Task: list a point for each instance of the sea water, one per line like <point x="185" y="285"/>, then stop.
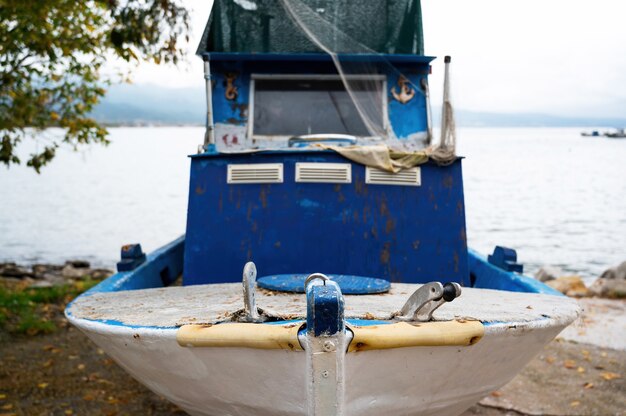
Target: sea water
<point x="556" y="197"/>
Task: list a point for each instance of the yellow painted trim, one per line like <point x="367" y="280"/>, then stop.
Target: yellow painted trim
<point x="260" y="336"/>
<point x="414" y="334"/>
<point x="375" y="337"/>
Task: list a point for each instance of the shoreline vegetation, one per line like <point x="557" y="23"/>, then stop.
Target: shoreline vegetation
<point x="49" y="367"/>
<point x="32" y="299"/>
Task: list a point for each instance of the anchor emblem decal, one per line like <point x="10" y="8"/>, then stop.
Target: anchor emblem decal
<point x="406" y="92"/>
<point x="231" y="91"/>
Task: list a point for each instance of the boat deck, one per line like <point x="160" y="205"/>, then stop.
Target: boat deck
<point x="210" y="304"/>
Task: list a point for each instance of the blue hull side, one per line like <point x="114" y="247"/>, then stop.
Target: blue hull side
<point x="160" y="269"/>
<point x="165" y="264"/>
<point x="487" y="276"/>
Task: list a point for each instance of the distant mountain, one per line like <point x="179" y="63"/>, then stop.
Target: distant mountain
<point x="131" y="104"/>
<point x="140" y="104"/>
<point x="466" y="118"/>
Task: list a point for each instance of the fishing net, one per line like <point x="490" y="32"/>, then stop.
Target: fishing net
<point x="264" y="26"/>
<point x="357" y="73"/>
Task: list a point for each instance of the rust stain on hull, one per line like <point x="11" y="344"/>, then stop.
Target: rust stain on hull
<point x="383" y="208"/>
<point x="390" y="225"/>
<point x="385" y="255"/>
<point x="366" y="212"/>
<point x="263" y="197"/>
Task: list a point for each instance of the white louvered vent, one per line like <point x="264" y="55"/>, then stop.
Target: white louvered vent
<point x="406" y="177"/>
<point x="324" y="172"/>
<point x="256" y="173"/>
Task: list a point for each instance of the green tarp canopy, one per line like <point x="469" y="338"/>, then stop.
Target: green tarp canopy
<point x="264" y="26"/>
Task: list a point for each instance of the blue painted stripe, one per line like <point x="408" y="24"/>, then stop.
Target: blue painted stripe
<point x="495" y="323"/>
<point x="368" y="322"/>
<point x="351" y="322"/>
<point x="119" y="324"/>
<point x="288" y="322"/>
<point x="318" y="57"/>
<point x="292" y="150"/>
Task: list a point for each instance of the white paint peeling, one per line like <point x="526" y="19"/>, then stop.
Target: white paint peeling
<point x="231" y="138"/>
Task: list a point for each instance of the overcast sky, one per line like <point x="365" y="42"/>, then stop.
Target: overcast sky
<point x="561" y="57"/>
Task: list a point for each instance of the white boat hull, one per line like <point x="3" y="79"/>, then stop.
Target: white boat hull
<point x="441" y="380"/>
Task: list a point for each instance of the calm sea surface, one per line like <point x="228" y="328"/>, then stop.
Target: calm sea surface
<point x="557" y="197"/>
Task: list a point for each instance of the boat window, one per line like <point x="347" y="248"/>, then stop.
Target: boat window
<point x="298" y="106"/>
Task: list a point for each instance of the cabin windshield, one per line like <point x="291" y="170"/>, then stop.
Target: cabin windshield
<point x="289" y="106"/>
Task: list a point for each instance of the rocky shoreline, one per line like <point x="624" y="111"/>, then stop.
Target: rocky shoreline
<point x="48" y="275"/>
<point x="611" y="284"/>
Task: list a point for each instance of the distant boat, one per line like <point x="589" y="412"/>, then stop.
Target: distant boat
<point x="296" y="176"/>
<point x="618" y="134"/>
<point x="593" y="133"/>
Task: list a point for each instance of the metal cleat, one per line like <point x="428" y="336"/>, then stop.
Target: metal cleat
<point x="425" y="300"/>
<point x="506" y="259"/>
<point x="131" y="257"/>
<point x="251" y="313"/>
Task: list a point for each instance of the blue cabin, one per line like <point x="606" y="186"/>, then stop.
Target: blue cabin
<point x="275" y="182"/>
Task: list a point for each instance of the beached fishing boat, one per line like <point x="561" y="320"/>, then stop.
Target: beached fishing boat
<point x="320" y="174"/>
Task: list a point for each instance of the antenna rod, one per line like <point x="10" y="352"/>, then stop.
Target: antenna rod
<point x="209" y="136"/>
<point x="446" y="100"/>
<point x="429" y="117"/>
